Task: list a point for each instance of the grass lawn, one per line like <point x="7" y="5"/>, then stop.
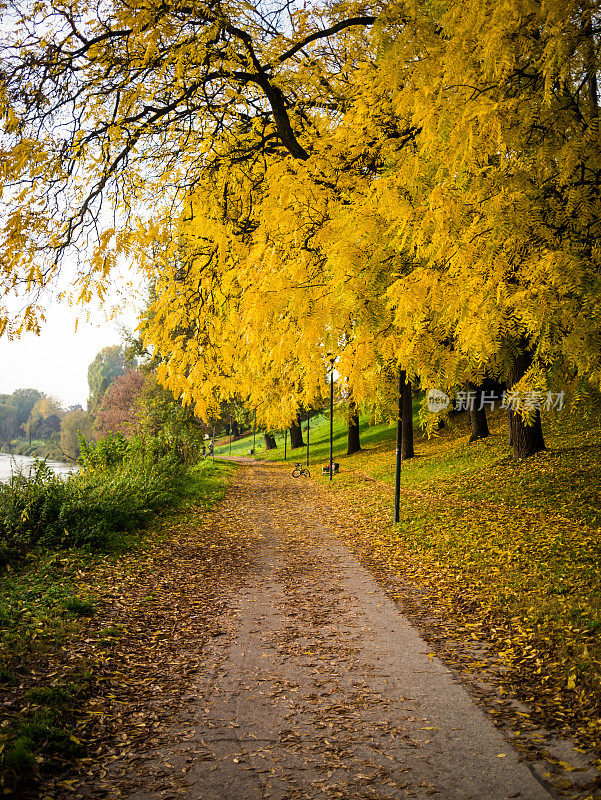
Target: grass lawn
<point x="319" y="441"/>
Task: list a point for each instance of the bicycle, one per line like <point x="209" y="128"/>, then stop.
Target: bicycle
<point x="300" y="472"/>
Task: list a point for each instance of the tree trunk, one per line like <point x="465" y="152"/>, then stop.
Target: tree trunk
<point x="296" y="434"/>
<point x="353" y="441"/>
<point x="269" y="441"/>
<point x="407" y="450"/>
<point x="525" y="439"/>
<point x="477" y="415"/>
<point x="235" y="428"/>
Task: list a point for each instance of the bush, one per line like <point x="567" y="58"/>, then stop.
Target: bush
<point x="115" y="493"/>
<point x="109" y="451"/>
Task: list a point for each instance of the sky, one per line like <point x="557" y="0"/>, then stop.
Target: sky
<point x="56" y="362"/>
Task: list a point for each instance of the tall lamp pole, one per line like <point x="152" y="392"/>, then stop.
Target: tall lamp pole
<point x="332" y="360"/>
<point x="213" y="448"/>
<point x="230" y="435"/>
<point x="285" y="442"/>
<point x="254" y="431"/>
<point x="308" y="424"/>
<point x="399" y="446"/>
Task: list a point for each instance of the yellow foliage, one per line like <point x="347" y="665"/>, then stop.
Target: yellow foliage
<point x="422" y="192"/>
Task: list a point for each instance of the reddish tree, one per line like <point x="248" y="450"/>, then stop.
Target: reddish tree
<point x="117" y="413"/>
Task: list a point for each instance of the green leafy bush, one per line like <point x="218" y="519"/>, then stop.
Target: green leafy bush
<point x="107" y="452"/>
<point x="115" y="493"/>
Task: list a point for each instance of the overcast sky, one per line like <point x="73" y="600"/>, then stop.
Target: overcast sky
<point x="56" y="362"/>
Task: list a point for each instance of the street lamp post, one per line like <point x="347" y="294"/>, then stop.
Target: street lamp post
<point x="399" y="447"/>
<point x="213" y="448"/>
<point x="254" y="431"/>
<point x="308" y="425"/>
<point x="332" y="360"/>
<point x="230" y="435"/>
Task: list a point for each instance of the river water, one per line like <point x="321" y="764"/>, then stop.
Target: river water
<point x="10" y="463"/>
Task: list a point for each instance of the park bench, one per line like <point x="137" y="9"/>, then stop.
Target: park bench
<point x="325" y="470"/>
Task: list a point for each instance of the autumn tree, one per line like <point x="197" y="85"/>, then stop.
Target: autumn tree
<point x="173" y="426"/>
<point x="261" y="83"/>
<point x="15" y="410"/>
<point x="74" y="424"/>
<point x="141" y="92"/>
<point x="269" y="438"/>
<point x="296" y="433"/>
<point x="477" y="414"/>
<point x="507" y="151"/>
<point x="8" y="420"/>
<point x="118" y="408"/>
<point x="44" y="419"/>
<point x="425" y="193"/>
<point x="353" y="436"/>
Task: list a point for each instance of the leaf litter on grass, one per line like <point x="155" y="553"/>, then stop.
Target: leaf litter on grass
<point x="510" y="600"/>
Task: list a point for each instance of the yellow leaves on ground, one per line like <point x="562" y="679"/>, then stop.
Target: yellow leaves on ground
<point x="494" y="553"/>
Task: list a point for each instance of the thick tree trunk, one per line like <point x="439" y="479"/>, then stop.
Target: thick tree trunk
<point x="477" y="415"/>
<point x="296" y="434"/>
<point x="526" y="440"/>
<point x="235" y="428"/>
<point x="269" y="441"/>
<point x="407" y="450"/>
<point x="353" y="441"/>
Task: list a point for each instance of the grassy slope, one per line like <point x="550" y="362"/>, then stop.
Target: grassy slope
<point x="35" y="596"/>
<point x="319" y="450"/>
<point x="509" y="551"/>
<point x="44" y="604"/>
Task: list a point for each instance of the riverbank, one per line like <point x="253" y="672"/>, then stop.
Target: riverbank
<point x="38" y="448"/>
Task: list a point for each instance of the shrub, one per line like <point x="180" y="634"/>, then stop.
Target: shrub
<point x="107" y="452"/>
<point x="115" y="493"/>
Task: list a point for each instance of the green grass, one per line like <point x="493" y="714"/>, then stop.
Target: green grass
<point x="207" y="483"/>
<point x="82" y="608"/>
<point x="51" y="696"/>
<point x="319" y="441"/>
<point x="240" y="447"/>
<point x="565" y="479"/>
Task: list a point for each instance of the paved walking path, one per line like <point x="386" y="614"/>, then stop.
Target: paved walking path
<point x="317" y="687"/>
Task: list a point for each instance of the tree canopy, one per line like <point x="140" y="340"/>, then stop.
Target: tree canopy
<point x="404" y="183"/>
<point x="127" y="104"/>
<point x="107" y="365"/>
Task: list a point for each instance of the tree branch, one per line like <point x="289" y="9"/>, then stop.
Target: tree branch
<point x="340" y="26"/>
